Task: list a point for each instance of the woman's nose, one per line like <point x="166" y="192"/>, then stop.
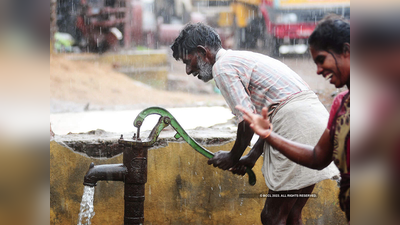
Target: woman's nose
<point x="319" y="70"/>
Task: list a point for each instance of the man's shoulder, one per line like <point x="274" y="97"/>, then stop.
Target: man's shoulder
<point x="238" y="56"/>
<point x="240" y="53"/>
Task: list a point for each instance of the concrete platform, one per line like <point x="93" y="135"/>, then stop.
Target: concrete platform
<point x="122" y="121"/>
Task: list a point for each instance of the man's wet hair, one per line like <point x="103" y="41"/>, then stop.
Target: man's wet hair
<point x="193" y="35"/>
<point x="331" y="33"/>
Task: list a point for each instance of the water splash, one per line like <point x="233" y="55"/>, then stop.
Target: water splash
<point x="86" y="212"/>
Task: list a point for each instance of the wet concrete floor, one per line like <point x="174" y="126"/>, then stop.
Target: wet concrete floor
<point x="122" y="121"/>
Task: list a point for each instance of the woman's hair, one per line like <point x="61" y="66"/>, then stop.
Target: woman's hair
<point x="331" y="33"/>
<point x="193" y="35"/>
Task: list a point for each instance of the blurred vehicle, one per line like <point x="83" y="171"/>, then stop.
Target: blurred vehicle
<point x="289" y="23"/>
<point x="239" y="20"/>
<point x="219" y="15"/>
<point x="282" y="26"/>
<point x="64" y="42"/>
<point x="101" y="25"/>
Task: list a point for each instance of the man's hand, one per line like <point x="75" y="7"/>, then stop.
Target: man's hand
<point x="223" y="160"/>
<point x="250" y="159"/>
<point x="244" y="162"/>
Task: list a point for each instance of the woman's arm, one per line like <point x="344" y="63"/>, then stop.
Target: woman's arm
<point x="317" y="157"/>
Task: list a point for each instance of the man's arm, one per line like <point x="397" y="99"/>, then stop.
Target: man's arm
<point x="243" y="138"/>
<point x="249" y="160"/>
<point x="232" y="88"/>
<point x="224" y="159"/>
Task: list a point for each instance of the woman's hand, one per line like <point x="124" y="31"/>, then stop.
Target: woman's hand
<point x="259" y="123"/>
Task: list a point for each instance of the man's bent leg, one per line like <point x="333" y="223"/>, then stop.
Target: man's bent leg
<point x="277" y="207"/>
<point x="294" y="217"/>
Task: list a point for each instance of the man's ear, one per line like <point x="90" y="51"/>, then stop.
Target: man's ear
<point x="201" y="49"/>
<point x="206" y="53"/>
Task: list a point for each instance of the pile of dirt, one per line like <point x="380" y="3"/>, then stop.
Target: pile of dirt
<point x="95" y="84"/>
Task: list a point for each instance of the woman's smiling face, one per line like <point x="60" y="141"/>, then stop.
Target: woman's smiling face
<point x="332" y="66"/>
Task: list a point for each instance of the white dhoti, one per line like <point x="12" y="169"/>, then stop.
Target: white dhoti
<point x="302" y="118"/>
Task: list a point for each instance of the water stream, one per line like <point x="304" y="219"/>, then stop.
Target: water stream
<point x="86" y="212"/>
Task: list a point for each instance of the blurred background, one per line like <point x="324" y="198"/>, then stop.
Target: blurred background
<point x="98" y="50"/>
<point x="113" y="55"/>
<point x="96" y="45"/>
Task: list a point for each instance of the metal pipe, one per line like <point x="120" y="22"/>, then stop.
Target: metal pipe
<point x="133" y="172"/>
<point x="135" y="160"/>
<point x="111" y="172"/>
